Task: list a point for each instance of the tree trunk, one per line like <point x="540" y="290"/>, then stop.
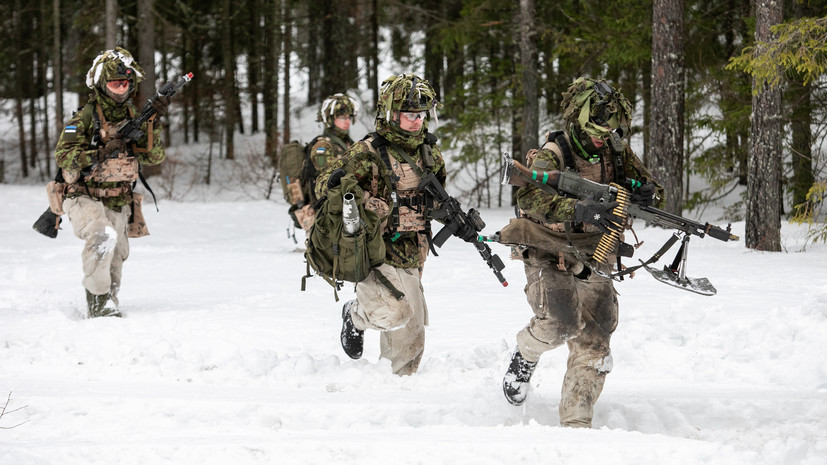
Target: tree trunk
<point x="666" y="125"/>
<point x="528" y="61"/>
<point x="373" y="83"/>
<point x="228" y="84"/>
<point x="271" y="64"/>
<point x="146" y="58"/>
<point x="288" y="50"/>
<point x="254" y="62"/>
<point x="800" y="99"/>
<point x="57" y="65"/>
<point x="763" y="225"/>
<point x="109" y="24"/>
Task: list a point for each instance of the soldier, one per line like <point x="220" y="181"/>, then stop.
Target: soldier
<point x="388" y="165"/>
<point x="99" y="170"/>
<point x="572" y="304"/>
<point x="337" y="112"/>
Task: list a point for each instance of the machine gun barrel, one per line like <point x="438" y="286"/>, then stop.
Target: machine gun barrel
<point x="568" y="182"/>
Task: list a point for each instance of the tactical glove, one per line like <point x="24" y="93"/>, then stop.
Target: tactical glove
<point x="644" y="195"/>
<point x="113" y="147"/>
<point x="599" y="214"/>
<point x="161" y="105"/>
<point x="335" y="178"/>
<point x="467" y="233"/>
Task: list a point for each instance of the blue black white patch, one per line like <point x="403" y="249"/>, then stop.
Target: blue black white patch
<point x="70" y="129"/>
<point x="320" y="150"/>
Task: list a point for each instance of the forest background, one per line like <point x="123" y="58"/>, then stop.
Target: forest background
<point x="731" y="92"/>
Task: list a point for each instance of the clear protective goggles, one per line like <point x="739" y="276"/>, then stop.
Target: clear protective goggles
<point x="414" y="115"/>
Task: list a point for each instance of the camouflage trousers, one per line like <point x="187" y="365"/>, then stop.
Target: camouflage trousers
<point x="581" y="313"/>
<point x="106" y="243"/>
<point x="401" y="322"/>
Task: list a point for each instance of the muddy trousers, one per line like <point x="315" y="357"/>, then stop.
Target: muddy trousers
<point x="401" y="322"/>
<point x="106" y="243"/>
<point x="581" y="313"/>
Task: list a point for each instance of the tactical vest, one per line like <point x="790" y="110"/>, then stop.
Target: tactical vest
<point x="122" y="168"/>
<point x="605" y="171"/>
<point x="410" y="205"/>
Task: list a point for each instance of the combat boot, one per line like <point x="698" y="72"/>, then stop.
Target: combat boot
<point x="515" y="381"/>
<point x="97" y="306"/>
<point x="352" y="339"/>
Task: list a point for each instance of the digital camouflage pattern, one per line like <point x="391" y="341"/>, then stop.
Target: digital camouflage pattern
<point x="360" y="160"/>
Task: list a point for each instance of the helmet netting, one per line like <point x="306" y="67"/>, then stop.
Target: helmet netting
<point x="337" y="105"/>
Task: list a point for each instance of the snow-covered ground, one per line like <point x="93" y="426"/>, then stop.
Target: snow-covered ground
<point x="221" y="359"/>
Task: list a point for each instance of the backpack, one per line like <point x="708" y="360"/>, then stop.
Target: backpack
<point x="335" y="255"/>
<point x="291" y="165"/>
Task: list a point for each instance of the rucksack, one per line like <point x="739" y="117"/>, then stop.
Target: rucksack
<point x="334" y="255"/>
<point x="291" y="164"/>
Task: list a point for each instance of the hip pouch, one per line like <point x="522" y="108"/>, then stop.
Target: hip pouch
<point x="137" y="224"/>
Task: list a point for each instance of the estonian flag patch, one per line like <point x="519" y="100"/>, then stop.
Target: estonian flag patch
<point x="71" y="129"/>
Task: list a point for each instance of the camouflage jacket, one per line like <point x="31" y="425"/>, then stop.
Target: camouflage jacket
<point x="74" y="152"/>
<point x="548" y="208"/>
<point x="325" y="149"/>
<point x="402" y="251"/>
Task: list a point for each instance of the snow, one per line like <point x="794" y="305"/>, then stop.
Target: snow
<point x="222" y="359"/>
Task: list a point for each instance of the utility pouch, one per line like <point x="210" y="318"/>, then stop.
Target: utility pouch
<point x="56" y="192"/>
<point x="137" y="224"/>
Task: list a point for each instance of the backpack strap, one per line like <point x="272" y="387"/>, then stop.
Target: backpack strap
<point x="558" y="138"/>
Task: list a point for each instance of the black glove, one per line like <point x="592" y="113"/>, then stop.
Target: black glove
<point x="644" y="195"/>
<point x="599" y="214"/>
<point x="113" y="147"/>
<point x="335" y="178"/>
<point x="467" y="233"/>
<point x="161" y="105"/>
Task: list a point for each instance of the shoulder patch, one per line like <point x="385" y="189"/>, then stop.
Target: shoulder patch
<point x="542" y="164"/>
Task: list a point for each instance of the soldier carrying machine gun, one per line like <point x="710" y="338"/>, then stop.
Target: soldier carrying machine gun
<point x="569" y="183"/>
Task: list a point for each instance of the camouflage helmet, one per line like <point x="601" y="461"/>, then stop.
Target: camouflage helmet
<point x="337" y="105"/>
<point x="113" y="65"/>
<point x="593" y="105"/>
<point x="406" y="92"/>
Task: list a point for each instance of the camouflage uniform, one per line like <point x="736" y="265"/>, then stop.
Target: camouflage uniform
<point x="403" y="322"/>
<point x="325" y="149"/>
<point x="99" y="209"/>
<point x="570" y="304"/>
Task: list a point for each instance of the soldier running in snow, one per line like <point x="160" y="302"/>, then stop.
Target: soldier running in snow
<point x="572" y="304"/>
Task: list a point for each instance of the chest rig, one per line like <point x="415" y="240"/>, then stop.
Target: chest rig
<point x="124" y="166"/>
<point x="410" y="212"/>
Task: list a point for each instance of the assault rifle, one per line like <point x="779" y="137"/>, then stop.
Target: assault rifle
<point x="454" y="218"/>
<point x="130" y="129"/>
<point x="571" y="184"/>
<point x="48" y="223"/>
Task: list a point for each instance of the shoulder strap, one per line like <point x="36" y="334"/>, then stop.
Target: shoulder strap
<point x="558" y="138"/>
